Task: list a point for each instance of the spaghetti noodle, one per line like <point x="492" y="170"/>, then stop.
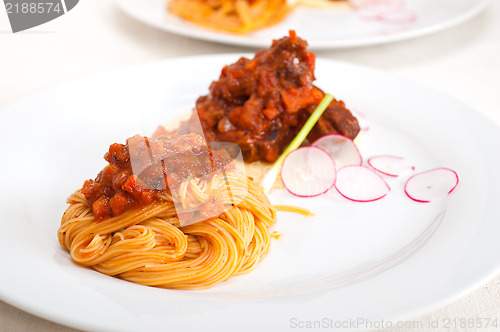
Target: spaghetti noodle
<point x="146" y="243"/>
<point x="237" y="16"/>
<point x="242" y="16"/>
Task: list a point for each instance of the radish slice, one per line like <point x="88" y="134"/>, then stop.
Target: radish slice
<point x="375" y="12"/>
<point x="390" y="165"/>
<point x="398" y="16"/>
<point x="360" y="184"/>
<point x="342" y="149"/>
<point x="363" y="124"/>
<point x="430" y="185"/>
<point x="308" y="172"/>
<point x="366" y="3"/>
<point x="390" y="11"/>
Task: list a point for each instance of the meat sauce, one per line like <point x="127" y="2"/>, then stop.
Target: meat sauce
<point x="262" y="103"/>
<point x="143" y="167"/>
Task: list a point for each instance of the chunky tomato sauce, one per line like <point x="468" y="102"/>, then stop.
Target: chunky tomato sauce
<point x="143" y="167"/>
<point x="262" y="103"/>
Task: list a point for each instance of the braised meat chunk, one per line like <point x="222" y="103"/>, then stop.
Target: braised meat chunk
<point x="262" y="103"/>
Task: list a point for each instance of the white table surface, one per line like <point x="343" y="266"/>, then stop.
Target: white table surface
<point x="463" y="62"/>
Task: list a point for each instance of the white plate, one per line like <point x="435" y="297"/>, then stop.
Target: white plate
<point x="391" y="259"/>
<point x="325" y="28"/>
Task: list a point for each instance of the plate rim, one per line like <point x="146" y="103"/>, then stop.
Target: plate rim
<point x="43" y="313"/>
<point x="210" y="35"/>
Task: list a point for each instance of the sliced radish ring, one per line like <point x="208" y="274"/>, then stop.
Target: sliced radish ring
<point x="360" y="184"/>
<point x="363" y="124"/>
<point x="366" y="3"/>
<point x="390" y="165"/>
<point x="375" y="12"/>
<point x="308" y="172"/>
<point x="430" y="185"/>
<point x="342" y="149"/>
<point x="398" y="16"/>
<point x="390" y="11"/>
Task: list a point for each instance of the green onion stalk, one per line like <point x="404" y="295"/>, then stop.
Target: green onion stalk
<point x="270" y="176"/>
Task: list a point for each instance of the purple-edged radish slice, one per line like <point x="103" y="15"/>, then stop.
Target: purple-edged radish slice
<point x="360" y="184"/>
<point x="375" y="12"/>
<point x="342" y="149"/>
<point x="369" y="3"/>
<point x="430" y="185"/>
<point x="398" y="16"/>
<point x="390" y="165"/>
<point x="308" y="172"/>
<point x="363" y="124"/>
